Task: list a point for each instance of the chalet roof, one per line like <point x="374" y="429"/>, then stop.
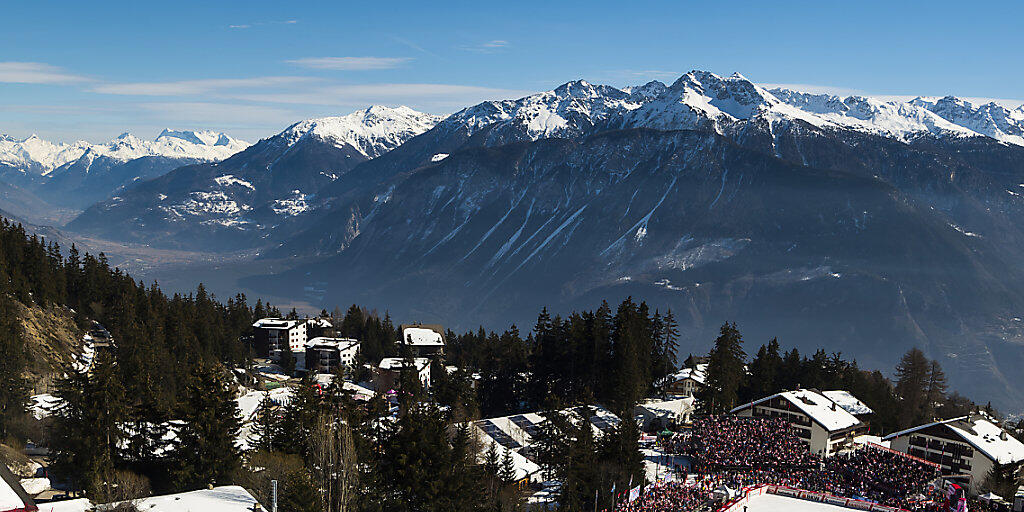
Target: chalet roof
<point x="819" y="408"/>
<point x="847" y="401"/>
<point x="274" y="323"/>
<point x="421" y="337"/>
<point x="985" y="436"/>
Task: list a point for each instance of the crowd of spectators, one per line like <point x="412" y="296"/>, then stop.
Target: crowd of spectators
<point x="736" y="452"/>
<point x="731" y="442"/>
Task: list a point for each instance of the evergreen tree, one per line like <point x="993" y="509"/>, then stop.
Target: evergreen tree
<point x="88" y="427"/>
<point x="725" y="372"/>
<point x="912" y="379"/>
<point x="13" y="358"/>
<point x="206" y="452"/>
<point x="266" y="425"/>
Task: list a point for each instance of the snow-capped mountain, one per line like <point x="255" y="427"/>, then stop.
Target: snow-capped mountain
<point x="373" y="131"/>
<point x="885" y="224"/>
<point x="271" y="185"/>
<point x="34" y="153"/>
<point x="76" y="175"/>
<point x="990" y="119"/>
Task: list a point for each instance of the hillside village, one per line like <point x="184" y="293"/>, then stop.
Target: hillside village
<point x="297" y="360"/>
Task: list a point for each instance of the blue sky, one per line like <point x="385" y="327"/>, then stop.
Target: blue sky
<point x="78" y="70"/>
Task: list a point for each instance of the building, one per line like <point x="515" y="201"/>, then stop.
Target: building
<point x="968" y="446"/>
<point x="1018" y="500"/>
<point x="390" y="369"/>
<point x="324" y="355"/>
<point x="13" y="497"/>
<point x="686" y="382"/>
<point x="519" y="433"/>
<point x="425" y="340"/>
<point x="272" y="335"/>
<point x="824" y="426"/>
<point x="657" y="415"/>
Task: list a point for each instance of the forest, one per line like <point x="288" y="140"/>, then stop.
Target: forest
<point x="157" y="414"/>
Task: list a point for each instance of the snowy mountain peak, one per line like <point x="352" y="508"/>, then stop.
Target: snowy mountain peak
<point x="372" y="131"/>
<point x="990" y="119"/>
<point x="201" y="137"/>
<point x="41" y="156"/>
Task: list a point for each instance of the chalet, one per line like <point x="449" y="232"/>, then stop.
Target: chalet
<point x="968" y="446"/>
<point x="424" y="340"/>
<point x="686" y="382"/>
<point x="824" y="426"/>
<point x="13" y="497"/>
<point x="324" y="355"/>
<point x="273" y="335"/>
<point x="390" y="370"/>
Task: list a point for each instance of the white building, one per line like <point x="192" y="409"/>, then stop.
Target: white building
<point x="272" y="335"/>
<point x="822" y="424"/>
<point x="326" y="354"/>
<point x="968" y="446"/>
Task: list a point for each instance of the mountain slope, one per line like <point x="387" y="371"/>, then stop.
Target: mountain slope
<point x="687" y="220"/>
<point x="271" y="185"/>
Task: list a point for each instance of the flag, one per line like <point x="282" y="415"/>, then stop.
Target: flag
<point x="634" y="493"/>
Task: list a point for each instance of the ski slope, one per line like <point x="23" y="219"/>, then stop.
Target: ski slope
<point x="776" y="503"/>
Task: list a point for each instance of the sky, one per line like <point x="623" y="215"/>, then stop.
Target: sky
<point x="93" y="70"/>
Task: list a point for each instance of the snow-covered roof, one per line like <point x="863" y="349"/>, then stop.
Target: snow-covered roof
<point x="12" y="495"/>
<point x="338" y="343"/>
<point x="75" y="505"/>
<point x="320" y="322"/>
<point x="422" y="337"/>
<point x="694" y="374"/>
<point x="819" y="408"/>
<point x="397" y="363"/>
<point x="228" y="498"/>
<point x="847" y="401"/>
<point x="668" y="407"/>
<point x="274" y="323"/>
<point x="982" y="434"/>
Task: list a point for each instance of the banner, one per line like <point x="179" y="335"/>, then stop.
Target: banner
<point x="634" y="493"/>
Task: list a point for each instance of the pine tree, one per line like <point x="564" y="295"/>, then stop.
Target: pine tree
<point x="13" y="387"/>
<point x="88" y="426"/>
<point x="206" y="452"/>
<point x="912" y="378"/>
<point x="935" y="393"/>
<point x="725" y="372"/>
<point x="266" y="425"/>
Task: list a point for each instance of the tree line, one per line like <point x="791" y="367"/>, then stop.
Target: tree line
<point x="918" y="395"/>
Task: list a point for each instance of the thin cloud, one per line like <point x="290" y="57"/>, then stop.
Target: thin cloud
<point x="816" y="89"/>
<point x="350" y="63"/>
<point x="192" y="113"/>
<point x="194" y="87"/>
<point x="386" y="93"/>
<point x="413" y="46"/>
<point x="243" y="26"/>
<point x="491" y="46"/>
<point x="36" y="73"/>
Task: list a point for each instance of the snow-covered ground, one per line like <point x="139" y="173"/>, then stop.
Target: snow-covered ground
<point x="776" y="503"/>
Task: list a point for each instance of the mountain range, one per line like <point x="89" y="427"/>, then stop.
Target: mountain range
<point x="847" y="223"/>
<point x="76" y="175"/>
